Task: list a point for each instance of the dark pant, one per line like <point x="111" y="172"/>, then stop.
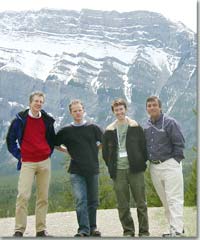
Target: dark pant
<point x="124" y="182"/>
<point x="85" y="191"/>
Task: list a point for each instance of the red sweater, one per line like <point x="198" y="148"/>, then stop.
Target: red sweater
<point x="34" y="147"/>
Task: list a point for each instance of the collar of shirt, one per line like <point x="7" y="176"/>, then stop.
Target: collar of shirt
<point x="78" y="124"/>
<point x="31" y="114"/>
<point x="158" y="121"/>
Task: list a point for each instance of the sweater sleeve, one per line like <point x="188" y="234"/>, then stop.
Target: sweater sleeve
<point x="98" y="134"/>
<point x="59" y="138"/>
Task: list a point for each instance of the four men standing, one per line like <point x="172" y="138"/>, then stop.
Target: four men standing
<point x="31" y="139"/>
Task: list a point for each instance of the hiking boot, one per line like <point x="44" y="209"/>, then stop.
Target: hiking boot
<point x="81" y="235"/>
<point x="144" y="234"/>
<point x="95" y="233"/>
<point x="43" y="234"/>
<point x="129" y="234"/>
<point x="176" y="234"/>
<point x="18" y="234"/>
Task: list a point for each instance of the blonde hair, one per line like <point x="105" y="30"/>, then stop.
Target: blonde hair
<point x="36" y="93"/>
<point x="75" y="101"/>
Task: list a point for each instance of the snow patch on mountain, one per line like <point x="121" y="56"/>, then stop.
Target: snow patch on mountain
<point x="15" y="104"/>
<point x="160" y="59"/>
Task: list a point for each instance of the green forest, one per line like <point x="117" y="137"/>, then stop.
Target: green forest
<point x="61" y="197"/>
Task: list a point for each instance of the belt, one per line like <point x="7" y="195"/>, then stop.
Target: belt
<point x="156" y="161"/>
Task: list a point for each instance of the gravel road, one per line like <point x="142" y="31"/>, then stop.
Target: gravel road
<point x="64" y="224"/>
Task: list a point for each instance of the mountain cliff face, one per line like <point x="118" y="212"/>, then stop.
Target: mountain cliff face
<point x="96" y="56"/>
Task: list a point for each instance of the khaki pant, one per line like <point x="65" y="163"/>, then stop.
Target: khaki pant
<point x="41" y="172"/>
<point x="167" y="178"/>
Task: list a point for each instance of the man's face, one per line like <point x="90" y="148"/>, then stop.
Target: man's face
<point x="36" y="104"/>
<point x="77" y="112"/>
<point x="120" y="112"/>
<point x="153" y="109"/>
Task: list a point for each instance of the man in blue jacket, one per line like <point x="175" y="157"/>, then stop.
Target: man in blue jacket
<point x="30" y="139"/>
<point x="165" y="144"/>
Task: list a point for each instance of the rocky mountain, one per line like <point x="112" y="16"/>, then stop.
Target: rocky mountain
<point x="96" y="56"/>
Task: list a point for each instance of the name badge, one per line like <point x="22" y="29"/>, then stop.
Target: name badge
<point x="123" y="154"/>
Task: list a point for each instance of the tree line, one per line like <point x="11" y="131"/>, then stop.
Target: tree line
<point x="61" y="196"/>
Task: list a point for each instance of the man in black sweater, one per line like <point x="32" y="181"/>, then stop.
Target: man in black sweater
<point x="82" y="140"/>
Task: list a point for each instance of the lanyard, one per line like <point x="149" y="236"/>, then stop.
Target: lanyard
<point x="159" y="129"/>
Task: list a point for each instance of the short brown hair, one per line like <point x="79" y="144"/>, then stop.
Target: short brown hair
<point x="75" y="101"/>
<point x="152" y="99"/>
<point x="36" y="93"/>
<point x="118" y="102"/>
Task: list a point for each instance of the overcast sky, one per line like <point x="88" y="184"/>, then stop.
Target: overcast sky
<point x="176" y="10"/>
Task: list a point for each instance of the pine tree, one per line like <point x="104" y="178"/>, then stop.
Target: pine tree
<point x="191" y="193"/>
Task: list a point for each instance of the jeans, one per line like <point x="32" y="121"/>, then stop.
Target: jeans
<point x="85" y="189"/>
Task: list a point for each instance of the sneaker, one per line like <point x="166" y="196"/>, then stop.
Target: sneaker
<point x="95" y="233"/>
<point x="129" y="234"/>
<point x="43" y="234"/>
<point x="144" y="234"/>
<point x="176" y="234"/>
<point x="18" y="234"/>
<point x="81" y="235"/>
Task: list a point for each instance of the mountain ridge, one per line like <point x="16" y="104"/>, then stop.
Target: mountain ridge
<point x="97" y="56"/>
